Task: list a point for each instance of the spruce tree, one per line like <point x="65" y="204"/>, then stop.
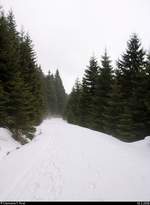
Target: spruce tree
<point x="146" y="92"/>
<point x="84" y="105"/>
<point x="51" y="94"/>
<point x="32" y="77"/>
<point x="60" y="94"/>
<point x="72" y="112"/>
<point x="113" y="108"/>
<point x="21" y="95"/>
<point x="20" y="102"/>
<point x="9" y="58"/>
<point x="132" y="72"/>
<point x="5" y="73"/>
<point x="102" y="93"/>
<point x="88" y="92"/>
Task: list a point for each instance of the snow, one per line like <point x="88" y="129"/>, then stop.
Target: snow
<point x="66" y="162"/>
<point x="147" y="139"/>
<point x="7" y="144"/>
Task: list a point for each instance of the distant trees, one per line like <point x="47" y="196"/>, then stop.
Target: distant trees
<point x="56" y="96"/>
<point x="73" y="111"/>
<point x="26" y="94"/>
<point x="60" y="94"/>
<point x="115" y="101"/>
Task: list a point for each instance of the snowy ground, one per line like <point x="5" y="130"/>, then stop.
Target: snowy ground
<point x="67" y="162"/>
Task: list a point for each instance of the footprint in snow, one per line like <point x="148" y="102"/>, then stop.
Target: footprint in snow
<point x="7" y="153"/>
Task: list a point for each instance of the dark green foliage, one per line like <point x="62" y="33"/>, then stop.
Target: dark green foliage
<point x="72" y="111"/>
<point x="60" y="94"/>
<point x="32" y="76"/>
<point x="3" y="104"/>
<point x="146" y="98"/>
<point x="51" y="94"/>
<point x="131" y="79"/>
<point x="56" y="96"/>
<point x="102" y="94"/>
<point x="22" y="103"/>
<point x="84" y="106"/>
<point x="113" y="108"/>
<point x="88" y="92"/>
<point x="117" y="103"/>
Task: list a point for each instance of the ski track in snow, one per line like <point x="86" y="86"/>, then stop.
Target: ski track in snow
<point x="67" y="162"/>
<point x="48" y="185"/>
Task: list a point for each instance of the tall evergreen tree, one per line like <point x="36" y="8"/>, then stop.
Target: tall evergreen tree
<point x="72" y="112"/>
<point x="88" y="92"/>
<point x="51" y="94"/>
<point x="113" y="108"/>
<point x="9" y="54"/>
<point x="21" y="103"/>
<point x="60" y="94"/>
<point x="102" y="93"/>
<point x="5" y="73"/>
<point x="21" y="93"/>
<point x="146" y="92"/>
<point x="117" y="104"/>
<point x="32" y="76"/>
<point x="132" y="72"/>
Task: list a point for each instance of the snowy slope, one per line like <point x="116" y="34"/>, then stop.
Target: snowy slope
<point x="67" y="162"/>
<point x="7" y="144"/>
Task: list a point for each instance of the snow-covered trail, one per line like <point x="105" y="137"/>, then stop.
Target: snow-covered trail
<point x="67" y="162"/>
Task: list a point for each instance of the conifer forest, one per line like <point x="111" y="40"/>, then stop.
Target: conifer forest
<point x="27" y="95"/>
<point x="111" y="99"/>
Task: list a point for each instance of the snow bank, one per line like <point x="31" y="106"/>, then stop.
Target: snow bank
<point x="7" y="143"/>
<point x="147" y="140"/>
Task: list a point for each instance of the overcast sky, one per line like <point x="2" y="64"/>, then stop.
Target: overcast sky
<point x="66" y="33"/>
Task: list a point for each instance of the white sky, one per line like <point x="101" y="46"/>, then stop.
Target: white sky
<point x="66" y="33"/>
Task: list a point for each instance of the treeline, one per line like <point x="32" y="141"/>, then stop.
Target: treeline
<point x="116" y="100"/>
<point x="27" y="96"/>
<point x="55" y="93"/>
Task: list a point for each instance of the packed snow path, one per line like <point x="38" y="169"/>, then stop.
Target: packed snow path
<point x="67" y="162"/>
